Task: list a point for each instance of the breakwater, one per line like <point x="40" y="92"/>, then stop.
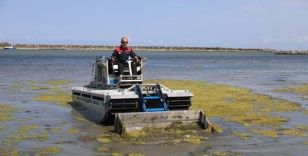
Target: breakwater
<point x="149" y="48"/>
<point x="290" y="52"/>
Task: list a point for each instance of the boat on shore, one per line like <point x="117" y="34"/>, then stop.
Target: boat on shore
<point x="9" y="47"/>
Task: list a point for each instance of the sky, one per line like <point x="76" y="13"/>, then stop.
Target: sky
<point x="277" y="24"/>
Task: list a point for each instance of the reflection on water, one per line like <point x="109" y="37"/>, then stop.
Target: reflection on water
<point x="24" y="75"/>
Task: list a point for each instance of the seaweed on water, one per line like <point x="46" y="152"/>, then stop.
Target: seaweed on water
<point x="305" y="112"/>
<point x="39" y="87"/>
<point x="135" y="154"/>
<point x="102" y="149"/>
<point x="9" y="151"/>
<point x="54" y="95"/>
<point x="266" y="132"/>
<point x="242" y="135"/>
<point x="55" y="130"/>
<point x="103" y="138"/>
<point x="174" y="134"/>
<point x="257" y="112"/>
<point x="299" y="89"/>
<point x="47" y="150"/>
<point x="73" y="131"/>
<point x="49" y="91"/>
<point x="52" y="91"/>
<point x="57" y="82"/>
<point x="117" y="154"/>
<point x="24" y="133"/>
<point x="298" y="131"/>
<point x="222" y="153"/>
<point x="6" y="111"/>
<point x="87" y="138"/>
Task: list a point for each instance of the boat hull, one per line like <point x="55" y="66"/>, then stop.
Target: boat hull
<point x="95" y="112"/>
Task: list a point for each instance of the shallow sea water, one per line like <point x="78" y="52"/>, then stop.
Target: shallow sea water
<point x="65" y="128"/>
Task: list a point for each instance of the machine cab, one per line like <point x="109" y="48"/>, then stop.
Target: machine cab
<point x="106" y="74"/>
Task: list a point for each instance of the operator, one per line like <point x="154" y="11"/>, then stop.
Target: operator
<point x="122" y="53"/>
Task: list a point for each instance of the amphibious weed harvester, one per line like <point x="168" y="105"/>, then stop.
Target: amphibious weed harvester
<point x="134" y="105"/>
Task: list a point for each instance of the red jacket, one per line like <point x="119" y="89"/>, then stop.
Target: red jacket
<point x="122" y="54"/>
<point x="119" y="50"/>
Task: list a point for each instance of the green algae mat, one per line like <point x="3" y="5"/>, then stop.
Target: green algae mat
<point x="259" y="115"/>
<point x="256" y="112"/>
<point x="51" y="91"/>
<point x="6" y="111"/>
<point x="46" y="91"/>
<point x="301" y="90"/>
